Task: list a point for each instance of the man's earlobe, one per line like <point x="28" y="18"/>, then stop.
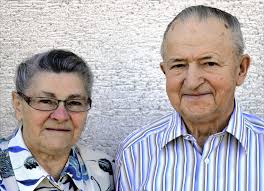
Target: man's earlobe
<point x="17" y="105"/>
<point x="243" y="69"/>
<point x="162" y="67"/>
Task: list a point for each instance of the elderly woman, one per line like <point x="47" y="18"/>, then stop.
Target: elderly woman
<point x="52" y="99"/>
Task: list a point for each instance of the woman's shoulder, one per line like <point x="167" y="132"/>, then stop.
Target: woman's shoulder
<point x="91" y="154"/>
<point x="99" y="166"/>
<point x="5" y="140"/>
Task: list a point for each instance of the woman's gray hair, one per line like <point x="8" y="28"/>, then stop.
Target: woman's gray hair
<point x="57" y="61"/>
<point x="204" y="12"/>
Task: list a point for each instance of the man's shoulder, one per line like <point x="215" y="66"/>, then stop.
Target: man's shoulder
<point x="155" y="128"/>
<point x="254" y="122"/>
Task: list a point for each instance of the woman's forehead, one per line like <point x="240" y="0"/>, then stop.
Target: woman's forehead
<point x="57" y="84"/>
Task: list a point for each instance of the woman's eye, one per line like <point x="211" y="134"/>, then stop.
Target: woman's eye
<point x="74" y="103"/>
<point x="46" y="101"/>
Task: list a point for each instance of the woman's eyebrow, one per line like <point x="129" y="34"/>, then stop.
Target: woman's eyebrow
<point x="48" y="94"/>
<point x="75" y="96"/>
<point x="72" y="96"/>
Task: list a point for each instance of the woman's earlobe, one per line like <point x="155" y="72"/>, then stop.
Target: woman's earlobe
<point x="17" y="105"/>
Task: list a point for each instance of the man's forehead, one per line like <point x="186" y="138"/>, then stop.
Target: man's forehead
<point x="194" y="37"/>
<point x="193" y="23"/>
<point x="197" y="31"/>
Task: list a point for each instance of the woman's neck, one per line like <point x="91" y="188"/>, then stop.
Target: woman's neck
<point x="53" y="164"/>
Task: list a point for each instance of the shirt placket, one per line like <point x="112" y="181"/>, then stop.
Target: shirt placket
<point x="206" y="159"/>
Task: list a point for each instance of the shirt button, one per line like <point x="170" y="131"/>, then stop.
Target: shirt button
<point x="206" y="160"/>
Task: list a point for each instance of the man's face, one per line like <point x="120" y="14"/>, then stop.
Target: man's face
<point x="202" y="69"/>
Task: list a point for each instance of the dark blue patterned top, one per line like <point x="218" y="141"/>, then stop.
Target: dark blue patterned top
<point x="20" y="171"/>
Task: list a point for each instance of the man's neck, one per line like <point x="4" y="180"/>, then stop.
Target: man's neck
<point x="201" y="131"/>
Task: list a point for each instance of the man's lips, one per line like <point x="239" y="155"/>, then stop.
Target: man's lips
<point x="195" y="95"/>
<point x="58" y="129"/>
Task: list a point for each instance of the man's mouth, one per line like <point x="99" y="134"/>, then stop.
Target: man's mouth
<point x="58" y="129"/>
<point x="196" y="95"/>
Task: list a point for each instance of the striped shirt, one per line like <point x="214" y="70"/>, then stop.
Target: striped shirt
<point x="164" y="157"/>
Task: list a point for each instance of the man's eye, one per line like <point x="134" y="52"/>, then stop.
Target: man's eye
<point x="177" y="66"/>
<point x="210" y="63"/>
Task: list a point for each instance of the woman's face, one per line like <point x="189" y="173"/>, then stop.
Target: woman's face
<point x="51" y="132"/>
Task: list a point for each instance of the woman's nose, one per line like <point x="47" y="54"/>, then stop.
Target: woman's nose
<point x="61" y="113"/>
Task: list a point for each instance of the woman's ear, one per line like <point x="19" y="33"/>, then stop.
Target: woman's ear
<point x="17" y="105"/>
<point x="243" y="69"/>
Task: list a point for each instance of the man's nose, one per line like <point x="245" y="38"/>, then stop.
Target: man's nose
<point x="194" y="77"/>
<point x="61" y="113"/>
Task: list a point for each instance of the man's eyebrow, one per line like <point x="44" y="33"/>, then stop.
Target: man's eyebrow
<point x="205" y="58"/>
<point x="177" y="60"/>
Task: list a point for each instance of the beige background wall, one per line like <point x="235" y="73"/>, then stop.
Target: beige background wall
<point x="120" y="40"/>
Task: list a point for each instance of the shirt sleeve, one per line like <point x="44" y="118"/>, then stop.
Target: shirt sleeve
<point x="123" y="172"/>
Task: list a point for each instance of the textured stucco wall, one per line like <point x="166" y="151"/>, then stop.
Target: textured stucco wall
<point x="120" y="40"/>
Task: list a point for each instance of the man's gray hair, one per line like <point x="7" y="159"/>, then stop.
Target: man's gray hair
<point x="203" y="12"/>
<point x="57" y="61"/>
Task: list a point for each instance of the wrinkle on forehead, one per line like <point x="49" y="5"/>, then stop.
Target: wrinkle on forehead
<point x="196" y="32"/>
<point x="198" y="20"/>
<point x="196" y="37"/>
<point x="194" y="25"/>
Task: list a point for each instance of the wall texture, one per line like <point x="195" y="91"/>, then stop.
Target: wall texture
<point x="120" y="40"/>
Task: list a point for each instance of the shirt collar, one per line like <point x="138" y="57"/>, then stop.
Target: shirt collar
<point x="76" y="169"/>
<point x="175" y="129"/>
<point x="235" y="127"/>
<point x="29" y="174"/>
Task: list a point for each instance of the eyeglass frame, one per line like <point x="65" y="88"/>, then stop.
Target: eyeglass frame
<point x="28" y="99"/>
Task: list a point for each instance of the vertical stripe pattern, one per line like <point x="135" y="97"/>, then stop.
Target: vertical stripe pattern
<point x="162" y="156"/>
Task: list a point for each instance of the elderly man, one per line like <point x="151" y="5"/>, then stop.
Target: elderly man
<point x="208" y="143"/>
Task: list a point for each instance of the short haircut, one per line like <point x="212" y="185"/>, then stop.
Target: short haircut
<point x="56" y="61"/>
<point x="204" y="12"/>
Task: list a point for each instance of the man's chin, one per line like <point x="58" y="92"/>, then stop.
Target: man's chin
<point x="197" y="115"/>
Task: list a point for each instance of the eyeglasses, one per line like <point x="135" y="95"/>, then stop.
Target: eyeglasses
<point x="51" y="104"/>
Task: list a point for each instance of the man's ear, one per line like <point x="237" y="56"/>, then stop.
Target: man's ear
<point x="162" y="67"/>
<point x="243" y="69"/>
<point x="17" y="105"/>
